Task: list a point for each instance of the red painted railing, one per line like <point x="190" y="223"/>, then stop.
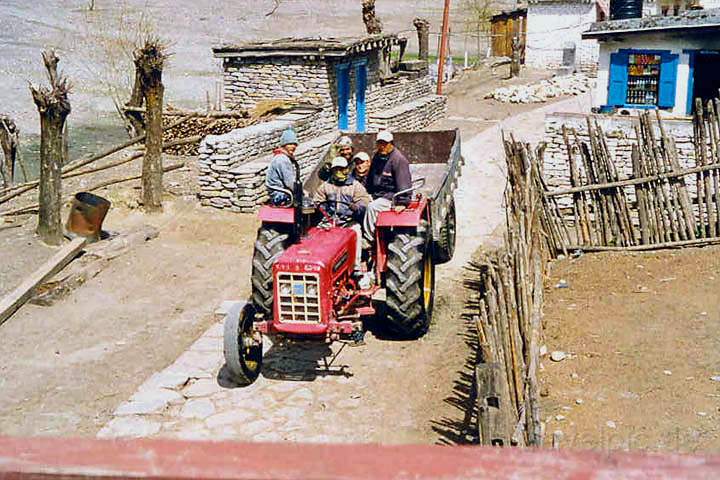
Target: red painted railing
<point x="54" y="458"/>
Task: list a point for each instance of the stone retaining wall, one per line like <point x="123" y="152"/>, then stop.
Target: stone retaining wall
<point x="413" y="115"/>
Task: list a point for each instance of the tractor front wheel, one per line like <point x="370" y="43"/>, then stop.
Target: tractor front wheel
<point x="272" y="240"/>
<point x="242" y="346"/>
<point x="410" y="282"/>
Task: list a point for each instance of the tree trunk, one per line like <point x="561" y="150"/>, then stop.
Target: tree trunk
<point x="373" y="25"/>
<point x="423" y="33"/>
<point x="136" y="122"/>
<point x="149" y="63"/>
<point x="10" y="141"/>
<point x="53" y="107"/>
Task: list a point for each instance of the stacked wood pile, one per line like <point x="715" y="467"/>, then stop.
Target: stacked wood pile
<point x="655" y="208"/>
<point x="199" y="125"/>
<point x="509" y="287"/>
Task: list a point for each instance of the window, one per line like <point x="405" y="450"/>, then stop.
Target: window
<point x="642" y="79"/>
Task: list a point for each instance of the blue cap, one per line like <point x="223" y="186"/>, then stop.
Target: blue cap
<point x="288" y="137"/>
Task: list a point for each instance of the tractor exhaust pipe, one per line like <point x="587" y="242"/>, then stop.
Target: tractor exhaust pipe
<point x="298" y="224"/>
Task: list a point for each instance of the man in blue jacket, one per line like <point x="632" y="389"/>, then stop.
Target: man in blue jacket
<point x="281" y="173"/>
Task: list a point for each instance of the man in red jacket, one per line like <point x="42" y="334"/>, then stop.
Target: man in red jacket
<point x="389" y="174"/>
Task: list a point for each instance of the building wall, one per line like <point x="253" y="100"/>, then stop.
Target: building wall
<point x="552" y="27"/>
<point x="676" y="43"/>
<point x="246" y="81"/>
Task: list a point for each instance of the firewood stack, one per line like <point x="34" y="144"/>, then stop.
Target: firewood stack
<point x="202" y="126"/>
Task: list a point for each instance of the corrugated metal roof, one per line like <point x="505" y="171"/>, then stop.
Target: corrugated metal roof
<point x="687" y="21"/>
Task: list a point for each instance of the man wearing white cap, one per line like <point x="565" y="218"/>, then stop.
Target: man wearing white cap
<point x="389" y="174"/>
<point x="344" y="197"/>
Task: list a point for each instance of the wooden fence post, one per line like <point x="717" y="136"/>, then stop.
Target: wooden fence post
<point x="149" y="62"/>
<point x="494" y="403"/>
<point x="54" y="107"/>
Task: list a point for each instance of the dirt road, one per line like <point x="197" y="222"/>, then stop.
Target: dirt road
<point x="641" y="331"/>
<point x="66" y="368"/>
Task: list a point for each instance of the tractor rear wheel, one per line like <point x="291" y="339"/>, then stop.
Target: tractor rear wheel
<point x="272" y="240"/>
<point x="410" y="282"/>
<point x="445" y="246"/>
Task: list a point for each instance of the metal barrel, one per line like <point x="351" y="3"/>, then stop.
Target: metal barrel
<point x="86" y="215"/>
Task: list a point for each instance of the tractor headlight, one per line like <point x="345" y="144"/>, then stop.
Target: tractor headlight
<point x="285" y="289"/>
<point x="312" y="290"/>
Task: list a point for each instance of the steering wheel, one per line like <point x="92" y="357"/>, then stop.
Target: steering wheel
<point x="332" y="219"/>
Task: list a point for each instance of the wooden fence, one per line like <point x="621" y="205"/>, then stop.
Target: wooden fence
<point x="662" y="205"/>
<point x="508" y="304"/>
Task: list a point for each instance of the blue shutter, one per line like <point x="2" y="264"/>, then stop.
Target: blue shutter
<point x="343" y="95"/>
<point x="617" y="85"/>
<point x="668" y="80"/>
<point x="360" y="86"/>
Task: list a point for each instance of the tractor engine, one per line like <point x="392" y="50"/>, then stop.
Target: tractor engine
<point x="311" y="281"/>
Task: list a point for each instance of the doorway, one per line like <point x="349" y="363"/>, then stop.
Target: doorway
<point x="705" y="76"/>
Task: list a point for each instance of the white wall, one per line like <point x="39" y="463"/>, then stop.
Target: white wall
<point x="551" y="26"/>
<point x="657" y="41"/>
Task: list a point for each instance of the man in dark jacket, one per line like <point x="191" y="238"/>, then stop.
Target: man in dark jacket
<point x="389" y="174"/>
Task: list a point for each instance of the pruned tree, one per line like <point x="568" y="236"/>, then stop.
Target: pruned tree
<point x="149" y="62"/>
<point x="54" y="107"/>
<point x="422" y="26"/>
<point x="10" y="142"/>
<point x="373" y="25"/>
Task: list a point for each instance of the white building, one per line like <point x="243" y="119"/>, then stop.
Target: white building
<point x="658" y="62"/>
<point x="554" y="34"/>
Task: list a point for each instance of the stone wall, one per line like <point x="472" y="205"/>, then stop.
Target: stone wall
<point x="411" y="116"/>
<point x="233" y="166"/>
<point x="247" y="81"/>
<point x="620" y="136"/>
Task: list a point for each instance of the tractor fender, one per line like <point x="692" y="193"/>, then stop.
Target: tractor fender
<point x="410" y="217"/>
<point x="270" y="214"/>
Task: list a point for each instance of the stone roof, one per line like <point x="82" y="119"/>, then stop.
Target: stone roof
<point x="687" y="22"/>
<point x="310" y="46"/>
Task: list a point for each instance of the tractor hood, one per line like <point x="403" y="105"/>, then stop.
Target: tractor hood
<point x="321" y="249"/>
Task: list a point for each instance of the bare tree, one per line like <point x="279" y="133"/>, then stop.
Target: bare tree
<point x="477" y="14"/>
<point x="10" y="142"/>
<point x="109" y="40"/>
<point x="373" y="25"/>
<point x="54" y="107"/>
<point x="149" y="61"/>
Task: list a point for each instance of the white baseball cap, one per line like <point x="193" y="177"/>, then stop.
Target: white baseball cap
<point x="384" y="136"/>
<point x="361" y="156"/>
<point x="339" y="162"/>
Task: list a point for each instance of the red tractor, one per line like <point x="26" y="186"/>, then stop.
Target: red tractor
<point x="302" y="271"/>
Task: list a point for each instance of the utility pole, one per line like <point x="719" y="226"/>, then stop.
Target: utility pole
<point x="443" y="46"/>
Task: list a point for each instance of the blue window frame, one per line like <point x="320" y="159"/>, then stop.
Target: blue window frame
<point x="618" y="79"/>
<point x="343" y="95"/>
<point x="360" y="87"/>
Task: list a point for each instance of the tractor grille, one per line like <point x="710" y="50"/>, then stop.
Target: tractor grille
<point x="299" y="297"/>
